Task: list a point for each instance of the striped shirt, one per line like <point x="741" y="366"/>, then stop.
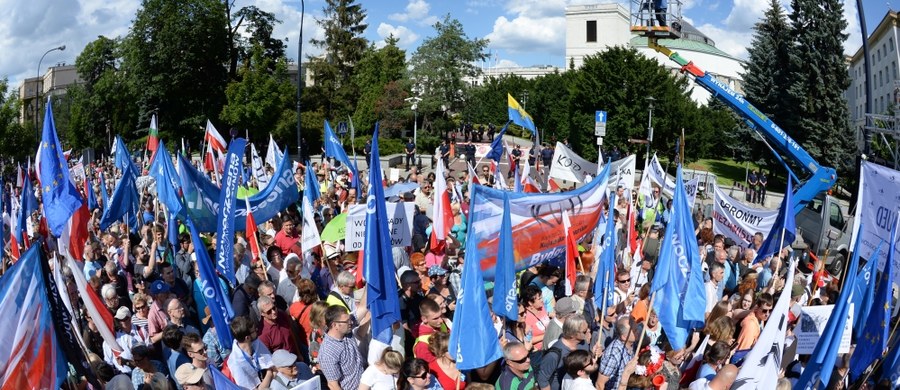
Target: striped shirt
<point x="341" y="361"/>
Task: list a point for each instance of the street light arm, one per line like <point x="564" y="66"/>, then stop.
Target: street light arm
<point x="39" y="85"/>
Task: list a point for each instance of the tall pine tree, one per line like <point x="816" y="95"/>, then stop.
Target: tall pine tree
<point x="343" y="46"/>
<point x="767" y="73"/>
<point x="818" y="77"/>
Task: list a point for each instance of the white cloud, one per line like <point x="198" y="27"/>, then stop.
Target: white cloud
<point x="745" y="14"/>
<point x="537" y="9"/>
<point x="526" y="34"/>
<point x="854" y="37"/>
<point x="505" y="63"/>
<point x="417" y="11"/>
<point x="728" y="40"/>
<point x="288" y="12"/>
<point x="404" y="35"/>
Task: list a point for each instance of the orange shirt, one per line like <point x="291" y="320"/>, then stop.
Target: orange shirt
<point x="749" y="332"/>
<point x="639" y="312"/>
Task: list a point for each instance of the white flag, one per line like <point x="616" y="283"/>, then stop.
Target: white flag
<point x="256" y="165"/>
<point x="274" y="154"/>
<point x="569" y="166"/>
<point x="310" y="235"/>
<point x="764" y="360"/>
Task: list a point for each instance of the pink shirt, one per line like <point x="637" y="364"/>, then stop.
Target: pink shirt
<point x="157" y="319"/>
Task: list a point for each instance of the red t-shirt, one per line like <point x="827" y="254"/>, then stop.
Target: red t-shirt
<point x="286" y="242"/>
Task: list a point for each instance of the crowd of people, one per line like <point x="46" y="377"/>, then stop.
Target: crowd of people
<point x="303" y="315"/>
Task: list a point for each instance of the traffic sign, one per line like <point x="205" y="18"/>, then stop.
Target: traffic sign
<point x="600" y="124"/>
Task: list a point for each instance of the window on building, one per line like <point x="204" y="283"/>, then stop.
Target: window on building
<point x="891" y="43"/>
<point x="592" y="31"/>
<point x="894" y="67"/>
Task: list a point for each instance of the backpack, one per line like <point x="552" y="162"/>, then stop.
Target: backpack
<point x="558" y="373"/>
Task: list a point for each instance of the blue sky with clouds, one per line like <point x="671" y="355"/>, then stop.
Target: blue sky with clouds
<point x="521" y="32"/>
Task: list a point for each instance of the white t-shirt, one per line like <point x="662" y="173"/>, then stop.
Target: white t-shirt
<point x="576" y="384"/>
<point x="699" y="384"/>
<point x="377" y="380"/>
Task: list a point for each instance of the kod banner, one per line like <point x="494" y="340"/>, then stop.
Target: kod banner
<point x="621" y="172"/>
<point x="400" y="223"/>
<point x="879" y="199"/>
<point x="739" y="221"/>
<point x="201" y="196"/>
<point x="536" y="223"/>
<point x="569" y="166"/>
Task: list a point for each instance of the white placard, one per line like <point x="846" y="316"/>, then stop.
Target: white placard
<point x="400" y="221"/>
<point x="811" y="325"/>
<point x="879" y="196"/>
<point x="739" y="221"/>
<point x="395" y="175"/>
<point x="567" y="165"/>
<point x="622" y="172"/>
<point x="311" y="384"/>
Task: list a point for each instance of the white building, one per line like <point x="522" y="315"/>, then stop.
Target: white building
<point x="53" y="83"/>
<point x="884" y="60"/>
<point x="593" y="28"/>
<point x="525" y="72"/>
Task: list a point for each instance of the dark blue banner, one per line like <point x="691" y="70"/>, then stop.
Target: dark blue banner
<point x="228" y="202"/>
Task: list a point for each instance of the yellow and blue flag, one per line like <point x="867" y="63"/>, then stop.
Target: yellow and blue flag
<point x="518" y="115"/>
<point x="60" y="197"/>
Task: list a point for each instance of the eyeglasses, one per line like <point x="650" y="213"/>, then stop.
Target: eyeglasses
<point x="624" y="281"/>
<point x="201" y="350"/>
<point x="765" y="311"/>
<point x="423" y="375"/>
<point x="270" y="311"/>
<point x="142" y="307"/>
<point x="520" y="361"/>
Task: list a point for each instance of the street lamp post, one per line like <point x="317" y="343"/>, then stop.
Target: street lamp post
<point x="649" y="99"/>
<point x="300" y="79"/>
<point x="39" y="86"/>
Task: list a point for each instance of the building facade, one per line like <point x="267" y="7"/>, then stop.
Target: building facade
<point x="34" y="91"/>
<point x="885" y="66"/>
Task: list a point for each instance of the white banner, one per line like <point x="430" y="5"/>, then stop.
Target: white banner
<point x="256" y="166"/>
<point x="77" y="172"/>
<point x="811" y="325"/>
<point x="569" y="166"/>
<point x="879" y="197"/>
<point x="658" y="176"/>
<point x="400" y="220"/>
<point x="622" y="172"/>
<point x="739" y="221"/>
<point x="309" y="239"/>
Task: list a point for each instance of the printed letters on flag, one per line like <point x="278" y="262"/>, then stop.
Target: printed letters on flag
<point x="226" y="215"/>
<point x="379" y="267"/>
<point x="567" y="165"/>
<point x="622" y="173"/>
<point x="738" y="221"/>
<point x="259" y="171"/>
<point x="216" y="299"/>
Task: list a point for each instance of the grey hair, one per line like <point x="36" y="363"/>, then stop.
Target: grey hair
<point x="572" y="326"/>
<point x="508" y="348"/>
<point x="266" y="284"/>
<point x="582" y="283"/>
<point x="345" y="278"/>
<point x="263" y="300"/>
<point x="292" y="261"/>
<point x="108" y="291"/>
<point x="623" y="326"/>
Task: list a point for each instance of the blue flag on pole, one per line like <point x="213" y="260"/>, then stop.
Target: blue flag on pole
<point x="474" y="344"/>
<point x="27" y="206"/>
<point x="379" y="264"/>
<point x="505" y="274"/>
<point x="167" y="181"/>
<point x="312" y="191"/>
<point x="125" y="202"/>
<point x="518" y="115"/>
<point x="103" y="194"/>
<point x="227" y="205"/>
<point x="334" y="149"/>
<point x="604" y="285"/>
<point x="220" y="381"/>
<point x="864" y="293"/>
<point x="216" y="298"/>
<point x="785" y="224"/>
<point x="89" y="194"/>
<point x="123" y="158"/>
<point x="678" y="283"/>
<point x="872" y="341"/>
<point x="818" y="370"/>
<point x="59" y="195"/>
<point x="496" y="151"/>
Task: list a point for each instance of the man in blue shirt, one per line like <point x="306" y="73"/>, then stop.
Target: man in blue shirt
<point x="410" y="153"/>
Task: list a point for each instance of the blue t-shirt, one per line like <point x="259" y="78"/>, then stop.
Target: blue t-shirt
<point x="706" y="372"/>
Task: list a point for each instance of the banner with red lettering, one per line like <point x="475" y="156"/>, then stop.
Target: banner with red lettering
<point x="739" y="221"/>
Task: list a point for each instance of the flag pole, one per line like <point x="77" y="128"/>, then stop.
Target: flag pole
<point x="644" y="322"/>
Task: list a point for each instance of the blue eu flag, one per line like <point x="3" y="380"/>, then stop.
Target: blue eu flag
<point x="60" y="197"/>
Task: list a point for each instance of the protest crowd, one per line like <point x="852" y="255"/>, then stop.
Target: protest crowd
<point x="641" y="292"/>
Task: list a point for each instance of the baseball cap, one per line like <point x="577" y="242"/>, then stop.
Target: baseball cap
<point x="282" y="358"/>
<point x="565" y="306"/>
<point x="159" y="287"/>
<point x="797" y="290"/>
<point x="436" y="270"/>
<point x="123" y="313"/>
<point x="187" y="374"/>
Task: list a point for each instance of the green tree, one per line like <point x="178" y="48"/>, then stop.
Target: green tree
<point x="441" y="62"/>
<point x="18" y="142"/>
<point x="818" y="78"/>
<point x="487" y="103"/>
<point x="259" y="25"/>
<point x="262" y="98"/>
<point x="175" y="57"/>
<point x="343" y="47"/>
<point x="377" y="69"/>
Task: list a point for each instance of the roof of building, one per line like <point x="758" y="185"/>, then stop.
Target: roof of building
<point x="683" y="44"/>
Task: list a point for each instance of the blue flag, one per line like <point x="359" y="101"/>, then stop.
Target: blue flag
<point x="59" y="195"/>
<point x="89" y="194"/>
<point x="168" y="186"/>
<point x="604" y="285"/>
<point x="334" y="149"/>
<point x="678" y="283"/>
<point x="505" y="274"/>
<point x="216" y="298"/>
<point x="518" y="115"/>
<point x="785" y="223"/>
<point x="27" y="206"/>
<point x="123" y="158"/>
<point x="125" y="202"/>
<point x="3" y="209"/>
<point x="220" y="381"/>
<point x="476" y="343"/>
<point x="864" y="293"/>
<point x="379" y="268"/>
<point x="890" y="369"/>
<point x="172" y="230"/>
<point x="818" y="370"/>
<point x="312" y="191"/>
<point x="103" y="194"/>
<point x="496" y="151"/>
<point x="226" y="211"/>
<point x="872" y="341"/>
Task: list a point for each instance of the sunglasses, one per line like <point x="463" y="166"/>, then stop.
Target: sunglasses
<point x="424" y="375"/>
<point x="625" y="281"/>
<point x="520" y="361"/>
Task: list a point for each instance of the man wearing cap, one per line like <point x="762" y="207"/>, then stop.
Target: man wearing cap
<point x="157" y="319"/>
<point x="190" y="377"/>
<point x="565" y="307"/>
<point x="289" y="372"/>
<point x="127" y="336"/>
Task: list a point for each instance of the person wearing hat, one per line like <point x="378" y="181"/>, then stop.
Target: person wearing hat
<point x="289" y="373"/>
<point x="157" y="319"/>
<point x="127" y="336"/>
<point x="190" y="377"/>
<point x="441" y="286"/>
<point x="565" y="308"/>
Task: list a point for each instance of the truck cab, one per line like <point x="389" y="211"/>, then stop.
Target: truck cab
<point x="825" y="224"/>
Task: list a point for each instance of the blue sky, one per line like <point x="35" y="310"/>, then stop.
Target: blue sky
<point x="521" y="32"/>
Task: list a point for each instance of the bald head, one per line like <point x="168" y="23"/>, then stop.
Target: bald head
<point x="724" y="378"/>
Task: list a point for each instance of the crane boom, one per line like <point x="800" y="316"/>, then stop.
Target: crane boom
<point x="819" y="179"/>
